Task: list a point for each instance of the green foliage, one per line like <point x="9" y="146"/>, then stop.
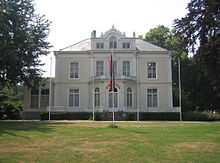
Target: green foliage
<point x="200" y="29"/>
<point x="23" y="36"/>
<point x="10" y="104"/>
<point x="201" y="116"/>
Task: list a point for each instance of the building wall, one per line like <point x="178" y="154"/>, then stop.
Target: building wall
<point x="87" y="65"/>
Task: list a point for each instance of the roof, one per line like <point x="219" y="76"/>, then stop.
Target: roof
<point x="85" y="45"/>
<point x="146" y="46"/>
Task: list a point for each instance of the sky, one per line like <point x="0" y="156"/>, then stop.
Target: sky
<point x="74" y="20"/>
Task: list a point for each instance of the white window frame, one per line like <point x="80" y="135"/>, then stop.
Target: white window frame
<point x="68" y="104"/>
<point x="99" y="45"/>
<point x="158" y="102"/>
<point x="113" y="43"/>
<point x="115" y="70"/>
<point x="99" y="96"/>
<point x="129" y="94"/>
<point x="70" y="71"/>
<point x="96" y="68"/>
<point x="127" y="71"/>
<point x="156" y="74"/>
<point x="126" y="45"/>
<point x="118" y="102"/>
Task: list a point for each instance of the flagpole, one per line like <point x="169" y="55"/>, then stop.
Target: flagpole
<point x="113" y="92"/>
<point x="180" y="98"/>
<point x="50" y="92"/>
<point x="93" y="89"/>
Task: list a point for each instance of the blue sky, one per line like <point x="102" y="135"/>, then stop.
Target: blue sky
<point x="73" y="20"/>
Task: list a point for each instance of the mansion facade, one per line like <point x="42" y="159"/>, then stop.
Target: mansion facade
<point x="142" y="73"/>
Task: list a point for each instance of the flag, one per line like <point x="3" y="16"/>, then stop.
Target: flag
<point x="111" y="84"/>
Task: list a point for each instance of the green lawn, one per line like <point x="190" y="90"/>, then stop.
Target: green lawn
<point x="95" y="142"/>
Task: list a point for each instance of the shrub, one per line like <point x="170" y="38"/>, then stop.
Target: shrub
<point x="159" y="116"/>
<point x="10" y="111"/>
<point x="201" y="116"/>
<point x="66" y="116"/>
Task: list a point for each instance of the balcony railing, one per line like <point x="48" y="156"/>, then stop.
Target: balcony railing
<point x="117" y="77"/>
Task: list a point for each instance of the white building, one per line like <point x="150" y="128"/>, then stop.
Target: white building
<point x="142" y="74"/>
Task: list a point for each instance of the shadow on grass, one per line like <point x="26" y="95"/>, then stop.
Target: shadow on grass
<point x="14" y="128"/>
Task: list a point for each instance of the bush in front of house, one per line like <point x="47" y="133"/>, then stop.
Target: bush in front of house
<point x="201" y="116"/>
<point x="66" y="116"/>
<point x="10" y="111"/>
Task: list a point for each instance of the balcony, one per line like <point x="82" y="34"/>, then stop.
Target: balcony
<point x="117" y="77"/>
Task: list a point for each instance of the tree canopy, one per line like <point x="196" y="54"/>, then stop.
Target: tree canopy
<point x="200" y="29"/>
<point x="23" y="35"/>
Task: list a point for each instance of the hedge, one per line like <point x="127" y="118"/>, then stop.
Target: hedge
<point x="143" y="116"/>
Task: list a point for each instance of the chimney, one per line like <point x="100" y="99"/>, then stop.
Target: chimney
<point x="93" y="34"/>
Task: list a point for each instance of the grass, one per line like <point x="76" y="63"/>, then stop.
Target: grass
<point x="89" y="142"/>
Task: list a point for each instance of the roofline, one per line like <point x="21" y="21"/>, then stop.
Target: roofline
<point x="73" y="44"/>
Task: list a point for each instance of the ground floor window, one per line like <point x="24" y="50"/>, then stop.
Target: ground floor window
<point x="152" y="97"/>
<point x="110" y="100"/>
<point x="74" y="97"/>
<point x="129" y="97"/>
<point x="97" y="97"/>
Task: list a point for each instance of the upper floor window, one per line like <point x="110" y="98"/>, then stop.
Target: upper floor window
<point x="74" y="97"/>
<point x="74" y="70"/>
<point x="115" y="68"/>
<point x="152" y="98"/>
<point x="151" y="70"/>
<point x="126" y="45"/>
<point x="99" y="45"/>
<point x="99" y="68"/>
<point x="113" y="43"/>
<point x="126" y="68"/>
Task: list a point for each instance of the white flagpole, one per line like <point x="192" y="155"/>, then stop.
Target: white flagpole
<point x="50" y="92"/>
<point x="113" y="93"/>
<point x="93" y="89"/>
<point x="180" y="98"/>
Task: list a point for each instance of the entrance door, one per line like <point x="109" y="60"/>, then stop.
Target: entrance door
<point x="111" y="99"/>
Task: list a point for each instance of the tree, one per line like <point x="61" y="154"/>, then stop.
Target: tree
<point x="200" y="29"/>
<point x="23" y="35"/>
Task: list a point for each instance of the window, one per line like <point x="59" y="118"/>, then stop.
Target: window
<point x="99" y="68"/>
<point x="115" y="68"/>
<point x="45" y="91"/>
<point x="74" y="97"/>
<point x="126" y="68"/>
<point x="112" y="43"/>
<point x="97" y="97"/>
<point x="74" y="70"/>
<point x="126" y="45"/>
<point x="152" y="99"/>
<point x="129" y="97"/>
<point x="110" y="100"/>
<point x="151" y="70"/>
<point x="44" y="102"/>
<point x="99" y="45"/>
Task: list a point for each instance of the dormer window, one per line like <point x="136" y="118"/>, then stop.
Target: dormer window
<point x="126" y="45"/>
<point x="99" y="45"/>
<point x="113" y="43"/>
